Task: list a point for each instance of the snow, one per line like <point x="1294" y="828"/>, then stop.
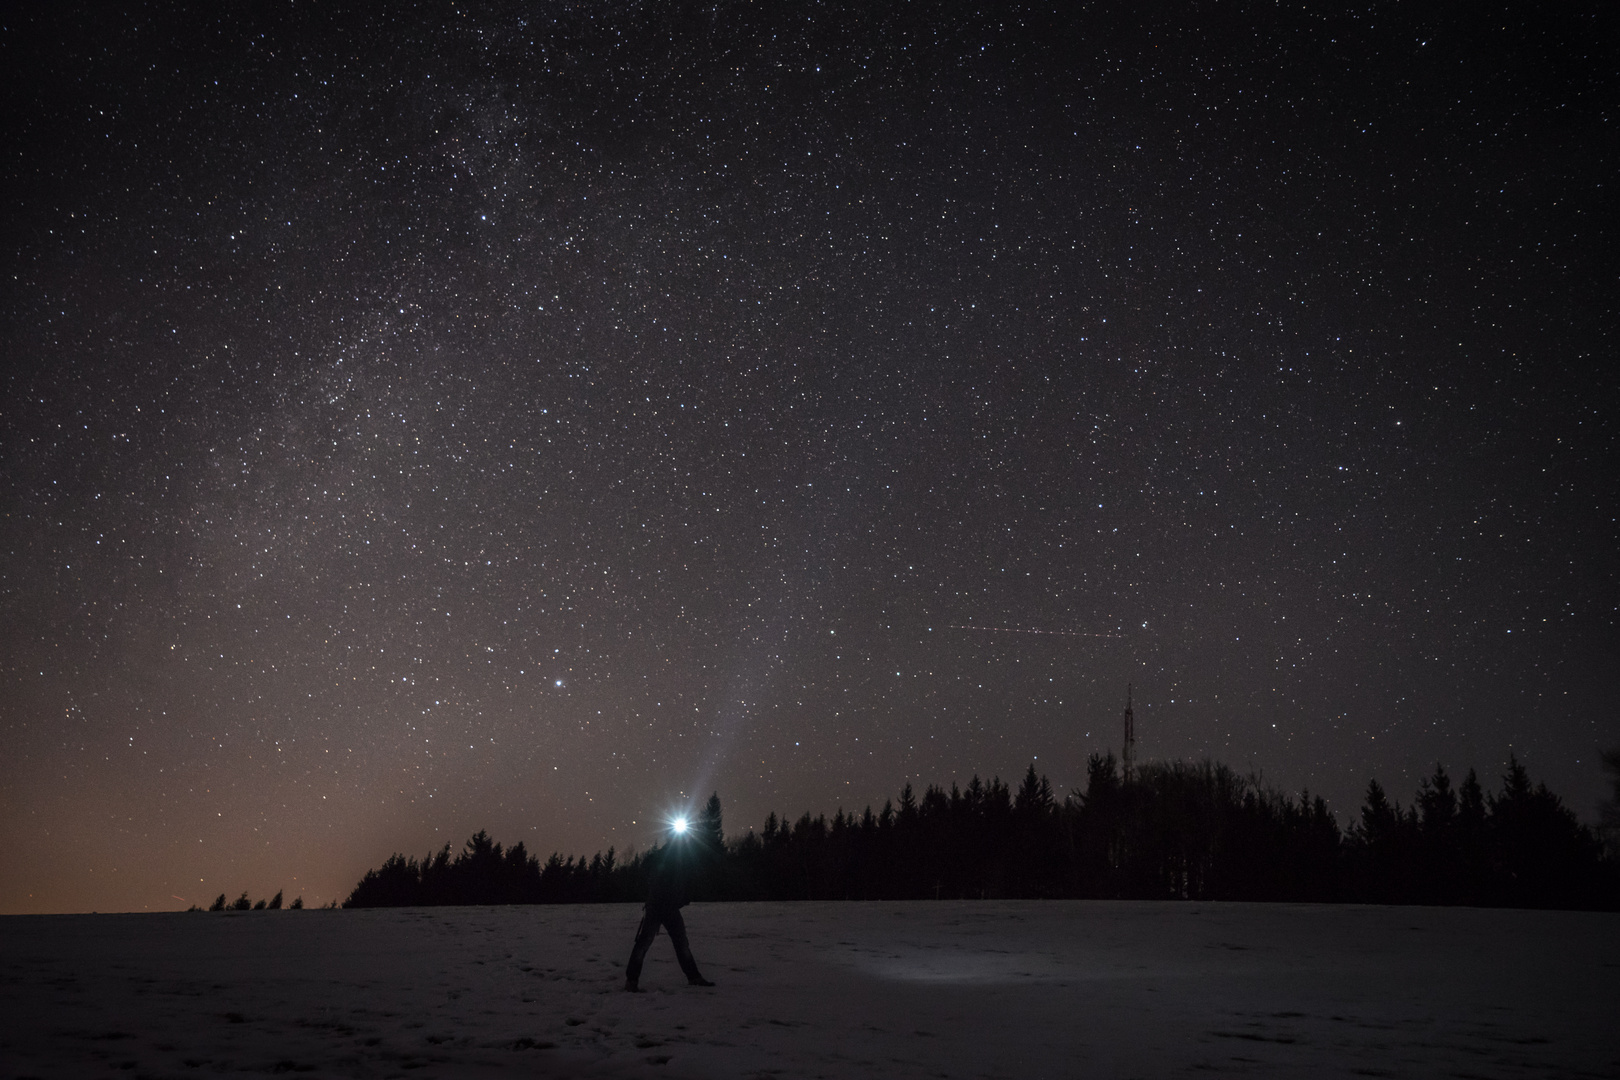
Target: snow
<point x="970" y="989"/>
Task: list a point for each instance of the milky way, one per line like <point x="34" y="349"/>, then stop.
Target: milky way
<point x="535" y="418"/>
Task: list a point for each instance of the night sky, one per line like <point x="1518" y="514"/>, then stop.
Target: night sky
<point x="535" y="417"/>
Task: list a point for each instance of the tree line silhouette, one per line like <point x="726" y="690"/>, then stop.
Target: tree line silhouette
<point x="242" y="903"/>
<point x="1170" y="831"/>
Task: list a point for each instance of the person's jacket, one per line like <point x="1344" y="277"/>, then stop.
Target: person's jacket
<point x="673" y="871"/>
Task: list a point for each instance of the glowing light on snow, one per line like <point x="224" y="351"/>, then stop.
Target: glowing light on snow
<point x="948" y="965"/>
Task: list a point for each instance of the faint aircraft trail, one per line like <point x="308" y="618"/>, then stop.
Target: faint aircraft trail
<point x="1022" y="630"/>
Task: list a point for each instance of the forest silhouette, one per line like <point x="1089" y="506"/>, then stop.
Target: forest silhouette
<point x="1171" y="831"/>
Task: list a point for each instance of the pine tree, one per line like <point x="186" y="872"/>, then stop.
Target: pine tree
<point x="1034" y="795"/>
<point x="1381" y="848"/>
<point x="1437" y="802"/>
<point x="708" y="824"/>
<point x="908" y="805"/>
<point x="1379" y="819"/>
<point x="1439" y="870"/>
<point x="1609" y="809"/>
<point x="437" y="882"/>
<point x="1543" y="856"/>
<point x="1102" y="781"/>
<point x="1471" y="803"/>
<point x="275" y="901"/>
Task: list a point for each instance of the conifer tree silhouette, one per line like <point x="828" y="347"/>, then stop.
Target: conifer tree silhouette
<point x="1380" y="841"/>
<point x="1544" y="855"/>
<point x="1174" y="830"/>
<point x="1439" y="862"/>
<point x="711" y="879"/>
<point x="1609" y="809"/>
<point x="1034" y="794"/>
<point x="1436" y="802"/>
<point x="1379" y="818"/>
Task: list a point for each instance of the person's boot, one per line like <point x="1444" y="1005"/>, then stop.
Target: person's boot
<point x="700" y="981"/>
<point x="632" y="975"/>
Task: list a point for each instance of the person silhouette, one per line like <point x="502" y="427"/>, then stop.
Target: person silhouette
<point x="669" y="879"/>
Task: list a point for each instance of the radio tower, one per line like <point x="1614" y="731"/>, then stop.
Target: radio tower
<point x="1129" y="754"/>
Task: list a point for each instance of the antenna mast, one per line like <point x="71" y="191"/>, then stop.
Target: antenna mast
<point x="1129" y="753"/>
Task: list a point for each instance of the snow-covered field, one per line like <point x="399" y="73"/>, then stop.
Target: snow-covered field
<point x="1003" y="989"/>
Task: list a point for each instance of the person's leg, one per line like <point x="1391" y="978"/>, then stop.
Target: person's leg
<point x="644" y="939"/>
<point x="683" y="951"/>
